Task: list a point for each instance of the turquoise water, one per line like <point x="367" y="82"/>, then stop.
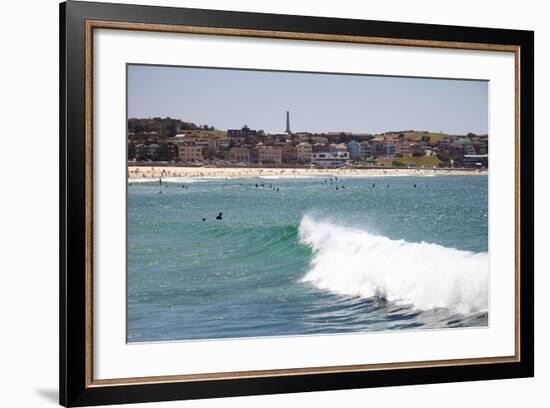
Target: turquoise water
<point x="297" y="256"/>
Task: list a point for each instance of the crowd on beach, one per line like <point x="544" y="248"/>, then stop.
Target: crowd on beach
<point x="160" y="171"/>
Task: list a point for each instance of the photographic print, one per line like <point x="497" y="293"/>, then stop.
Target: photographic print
<point x="275" y="203"/>
<point x="266" y="203"/>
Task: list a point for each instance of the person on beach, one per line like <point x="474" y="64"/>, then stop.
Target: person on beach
<point x="219" y="217"/>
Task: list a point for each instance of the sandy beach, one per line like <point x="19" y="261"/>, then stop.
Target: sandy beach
<point x="174" y="171"/>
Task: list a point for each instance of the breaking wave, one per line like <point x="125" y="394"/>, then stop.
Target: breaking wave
<point x="425" y="276"/>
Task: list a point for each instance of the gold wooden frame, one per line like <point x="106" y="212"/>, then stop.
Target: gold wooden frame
<point x="99" y="24"/>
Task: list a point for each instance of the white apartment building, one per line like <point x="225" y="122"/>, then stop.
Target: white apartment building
<point x="304" y="151"/>
<point x="327" y="159"/>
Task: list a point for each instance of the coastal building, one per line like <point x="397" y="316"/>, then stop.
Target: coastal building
<point x="328" y="159"/>
<point x="141" y="151"/>
<point x="280" y="137"/>
<point x="415" y="148"/>
<point x="465" y="146"/>
<point x="338" y="148"/>
<point x="239" y="154"/>
<point x="378" y="148"/>
<point x="269" y="154"/>
<point x="476" y="160"/>
<point x="320" y="148"/>
<point x="169" y="151"/>
<point x="190" y="153"/>
<point x="303" y="136"/>
<point x="469" y="148"/>
<point x="390" y="148"/>
<point x="193" y="138"/>
<point x="454" y="138"/>
<point x="241" y="133"/>
<point x="153" y="151"/>
<point x="402" y="148"/>
<point x="480" y="146"/>
<point x="354" y="149"/>
<point x="223" y="143"/>
<point x="303" y="151"/>
<point x="254" y="156"/>
<point x="365" y="150"/>
<point x="443" y="144"/>
<point x="289" y="153"/>
<point x="319" y="139"/>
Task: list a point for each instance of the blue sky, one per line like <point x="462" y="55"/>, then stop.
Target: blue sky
<point x="227" y="99"/>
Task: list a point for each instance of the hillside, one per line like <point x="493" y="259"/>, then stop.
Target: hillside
<point x="414" y="135"/>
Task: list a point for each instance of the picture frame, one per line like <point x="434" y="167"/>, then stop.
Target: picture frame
<point x="79" y="20"/>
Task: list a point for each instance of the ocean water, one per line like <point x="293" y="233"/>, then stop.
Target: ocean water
<point x="299" y="257"/>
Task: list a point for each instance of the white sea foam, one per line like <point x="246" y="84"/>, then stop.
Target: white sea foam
<point x="426" y="276"/>
<point x="290" y="176"/>
<point x="172" y="179"/>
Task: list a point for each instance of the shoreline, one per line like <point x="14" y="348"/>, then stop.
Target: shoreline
<point x="140" y="172"/>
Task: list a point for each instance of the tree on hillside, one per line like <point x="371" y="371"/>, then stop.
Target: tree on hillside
<point x="131" y="151"/>
<point x="171" y="129"/>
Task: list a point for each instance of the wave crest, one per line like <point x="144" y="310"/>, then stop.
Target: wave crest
<point x="354" y="262"/>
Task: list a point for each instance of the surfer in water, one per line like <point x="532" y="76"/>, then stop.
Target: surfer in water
<point x="220" y="216"/>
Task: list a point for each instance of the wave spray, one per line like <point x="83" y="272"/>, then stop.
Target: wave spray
<point x="426" y="276"/>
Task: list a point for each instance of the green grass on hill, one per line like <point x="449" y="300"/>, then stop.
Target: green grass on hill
<point x="417" y="136"/>
<point x="434" y="137"/>
<point x="204" y="132"/>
